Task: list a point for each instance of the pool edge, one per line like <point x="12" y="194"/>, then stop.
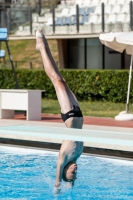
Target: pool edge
<point x="56" y="146"/>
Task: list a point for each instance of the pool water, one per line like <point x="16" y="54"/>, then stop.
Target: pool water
<point x="28" y="174"/>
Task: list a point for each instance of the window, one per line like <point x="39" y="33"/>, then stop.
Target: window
<point x="94" y="54"/>
<point x="76" y="52"/>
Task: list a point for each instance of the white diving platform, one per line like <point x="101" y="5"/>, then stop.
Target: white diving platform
<point x="97" y="137"/>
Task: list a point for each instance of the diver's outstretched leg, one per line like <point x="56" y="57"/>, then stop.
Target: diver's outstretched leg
<point x="65" y="96"/>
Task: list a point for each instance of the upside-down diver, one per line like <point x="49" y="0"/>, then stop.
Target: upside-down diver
<point x="71" y="114"/>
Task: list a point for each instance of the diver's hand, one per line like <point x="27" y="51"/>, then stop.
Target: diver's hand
<point x="57" y="188"/>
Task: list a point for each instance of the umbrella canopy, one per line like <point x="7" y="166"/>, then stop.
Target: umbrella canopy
<point x="121" y="41"/>
<point x="118" y="41"/>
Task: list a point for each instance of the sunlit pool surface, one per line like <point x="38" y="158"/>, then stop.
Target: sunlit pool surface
<point x="28" y="174"/>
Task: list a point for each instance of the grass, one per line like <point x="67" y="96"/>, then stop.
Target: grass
<point x="25" y="51"/>
<point x="99" y="109"/>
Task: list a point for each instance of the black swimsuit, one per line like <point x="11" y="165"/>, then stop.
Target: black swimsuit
<point x="75" y="112"/>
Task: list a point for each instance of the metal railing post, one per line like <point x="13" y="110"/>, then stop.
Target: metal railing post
<point x="53" y="16"/>
<point x="30" y="65"/>
<point x="3" y="17"/>
<point x="131" y="15"/>
<point x="0" y="18"/>
<point x="39" y="7"/>
<point x="30" y="15"/>
<point x="8" y="19"/>
<point x="103" y="21"/>
<point x="77" y="17"/>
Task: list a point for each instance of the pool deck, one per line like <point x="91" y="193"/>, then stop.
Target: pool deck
<point x="102" y="136"/>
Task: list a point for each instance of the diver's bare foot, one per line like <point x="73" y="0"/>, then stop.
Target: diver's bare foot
<point x="39" y="40"/>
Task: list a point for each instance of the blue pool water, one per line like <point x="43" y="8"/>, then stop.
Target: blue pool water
<point x="30" y="175"/>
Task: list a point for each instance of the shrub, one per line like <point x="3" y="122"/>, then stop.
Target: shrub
<point x="105" y="85"/>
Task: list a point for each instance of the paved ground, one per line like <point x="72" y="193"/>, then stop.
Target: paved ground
<point x="99" y="121"/>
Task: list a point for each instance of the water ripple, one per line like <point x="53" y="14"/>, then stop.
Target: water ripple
<point x="26" y="176"/>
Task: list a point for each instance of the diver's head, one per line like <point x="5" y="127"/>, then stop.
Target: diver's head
<point x="70" y="172"/>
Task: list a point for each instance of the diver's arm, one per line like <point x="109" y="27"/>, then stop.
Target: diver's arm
<point x="60" y="166"/>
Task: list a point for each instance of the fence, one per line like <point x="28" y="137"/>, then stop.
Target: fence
<point x="100" y="12"/>
<point x="23" y="17"/>
<point x="23" y="64"/>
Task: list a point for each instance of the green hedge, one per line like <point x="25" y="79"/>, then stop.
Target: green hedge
<point x="106" y="85"/>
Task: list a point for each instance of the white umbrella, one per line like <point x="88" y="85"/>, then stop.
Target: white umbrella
<point x="119" y="42"/>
